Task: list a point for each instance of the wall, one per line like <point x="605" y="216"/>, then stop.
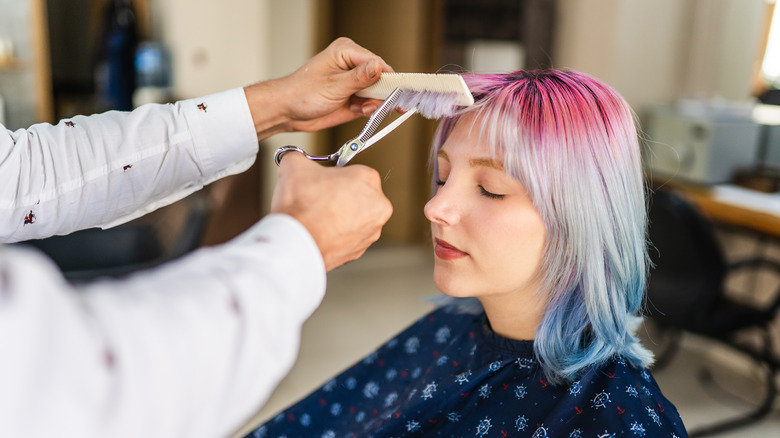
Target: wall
<point x="405" y="38"/>
<point x="217" y="47"/>
<point x="665" y="49"/>
<point x="296" y="34"/>
<point x="740" y="36"/>
<point x="214" y="47"/>
<point x="25" y="85"/>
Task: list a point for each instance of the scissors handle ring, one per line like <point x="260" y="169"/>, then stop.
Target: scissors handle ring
<point x="289" y="148"/>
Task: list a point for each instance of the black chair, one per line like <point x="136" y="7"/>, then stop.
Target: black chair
<point x="144" y="243"/>
<point x="687" y="293"/>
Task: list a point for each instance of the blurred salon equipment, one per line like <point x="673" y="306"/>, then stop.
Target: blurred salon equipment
<point x="769" y="118"/>
<point x="156" y="238"/>
<point x="153" y="74"/>
<point x="715" y="142"/>
<point x="701" y="142"/>
<point x="687" y="293"/>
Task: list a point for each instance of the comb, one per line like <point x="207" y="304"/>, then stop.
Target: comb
<point x="433" y="95"/>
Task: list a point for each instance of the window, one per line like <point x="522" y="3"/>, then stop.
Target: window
<point x="770" y="67"/>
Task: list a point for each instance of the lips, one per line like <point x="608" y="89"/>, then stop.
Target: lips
<point x="445" y="251"/>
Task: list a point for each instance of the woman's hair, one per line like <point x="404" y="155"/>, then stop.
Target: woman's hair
<point x="572" y="142"/>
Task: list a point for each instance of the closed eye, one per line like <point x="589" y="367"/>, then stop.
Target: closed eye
<point x="489" y="194"/>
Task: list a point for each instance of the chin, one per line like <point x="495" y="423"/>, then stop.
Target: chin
<point x="449" y="285"/>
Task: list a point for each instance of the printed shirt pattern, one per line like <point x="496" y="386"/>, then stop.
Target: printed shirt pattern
<point x="450" y="375"/>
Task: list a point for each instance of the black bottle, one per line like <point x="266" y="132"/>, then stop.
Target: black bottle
<point x="115" y="71"/>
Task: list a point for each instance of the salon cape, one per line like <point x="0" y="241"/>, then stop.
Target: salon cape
<point x="191" y="349"/>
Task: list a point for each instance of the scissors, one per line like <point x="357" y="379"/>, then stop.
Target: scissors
<point x="364" y="140"/>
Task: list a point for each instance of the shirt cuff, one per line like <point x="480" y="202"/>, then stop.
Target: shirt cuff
<point x="223" y="132"/>
<point x="224" y="141"/>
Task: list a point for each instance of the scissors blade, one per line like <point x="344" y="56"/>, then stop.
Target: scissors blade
<point x="356" y="146"/>
<point x="387" y="129"/>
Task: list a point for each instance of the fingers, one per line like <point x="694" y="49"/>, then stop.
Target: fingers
<point x="349" y="82"/>
<point x="353" y="55"/>
<point x="367" y="73"/>
<point x="363" y="107"/>
<point x="344" y="209"/>
<point x="369" y="107"/>
<point x="363" y="68"/>
<point x="320" y="94"/>
<point x="291" y="153"/>
<point x="373" y="210"/>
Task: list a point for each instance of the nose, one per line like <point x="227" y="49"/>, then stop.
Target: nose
<point x="441" y="209"/>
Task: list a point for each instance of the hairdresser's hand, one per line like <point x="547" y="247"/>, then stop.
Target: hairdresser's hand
<point x="343" y="208"/>
<point x="318" y="95"/>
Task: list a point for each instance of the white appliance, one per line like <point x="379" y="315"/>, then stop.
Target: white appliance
<point x="769" y="117"/>
<point x="701" y="142"/>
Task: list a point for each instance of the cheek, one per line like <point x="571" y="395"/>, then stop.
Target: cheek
<point x="531" y="239"/>
<point x="516" y="247"/>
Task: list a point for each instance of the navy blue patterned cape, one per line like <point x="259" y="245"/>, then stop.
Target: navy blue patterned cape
<point x="450" y="375"/>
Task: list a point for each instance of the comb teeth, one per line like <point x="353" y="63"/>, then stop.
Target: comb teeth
<point x="434" y="95"/>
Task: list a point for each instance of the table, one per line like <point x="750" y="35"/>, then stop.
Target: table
<point x="720" y="209"/>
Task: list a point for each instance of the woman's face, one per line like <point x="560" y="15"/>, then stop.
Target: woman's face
<point x="488" y="236"/>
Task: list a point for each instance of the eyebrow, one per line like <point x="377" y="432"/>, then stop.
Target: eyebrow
<point x="476" y="162"/>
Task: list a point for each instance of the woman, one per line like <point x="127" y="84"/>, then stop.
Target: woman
<point x="539" y="214"/>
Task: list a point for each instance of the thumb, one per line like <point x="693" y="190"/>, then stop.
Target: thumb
<point x="362" y="76"/>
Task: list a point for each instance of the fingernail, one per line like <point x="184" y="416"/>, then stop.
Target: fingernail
<point x="371" y="69"/>
<point x="369" y="109"/>
<point x="356" y="108"/>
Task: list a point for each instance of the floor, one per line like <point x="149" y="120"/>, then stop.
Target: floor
<point x="371" y="299"/>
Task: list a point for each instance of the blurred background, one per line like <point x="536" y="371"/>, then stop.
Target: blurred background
<point x="700" y="75"/>
<point x="56" y="54"/>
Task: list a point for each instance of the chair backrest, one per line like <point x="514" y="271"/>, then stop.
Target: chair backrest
<point x="689" y="268"/>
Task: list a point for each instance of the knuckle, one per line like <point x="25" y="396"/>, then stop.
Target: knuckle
<point x="372" y="175"/>
<point x="365" y="173"/>
<point x="343" y="42"/>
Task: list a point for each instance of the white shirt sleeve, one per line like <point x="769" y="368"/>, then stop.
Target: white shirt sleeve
<point x="109" y="168"/>
<point x="191" y="349"/>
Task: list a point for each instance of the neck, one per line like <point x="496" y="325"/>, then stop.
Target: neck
<point x="514" y="318"/>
